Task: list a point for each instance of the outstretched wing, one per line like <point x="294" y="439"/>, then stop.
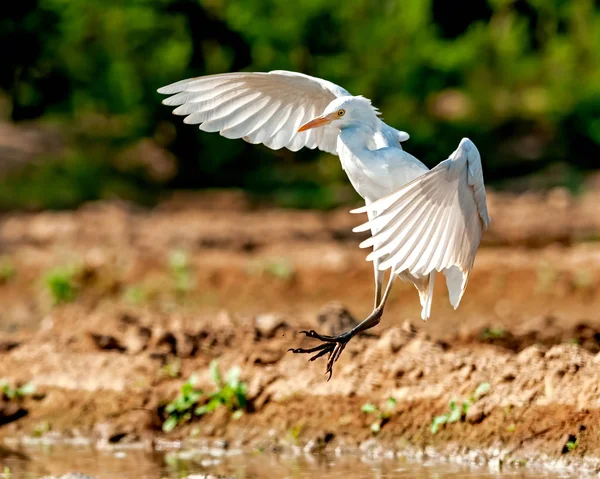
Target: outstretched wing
<point x="433" y="223"/>
<point x="263" y="108"/>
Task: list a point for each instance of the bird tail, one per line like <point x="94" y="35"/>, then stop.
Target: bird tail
<point x="425" y="288"/>
<point x="456" y="282"/>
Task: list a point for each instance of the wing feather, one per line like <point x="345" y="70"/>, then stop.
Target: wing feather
<point x="263" y="108"/>
<point x="249" y="110"/>
<point x="284" y="131"/>
<point x="434" y="223"/>
<point x="249" y="124"/>
<point x="226" y="111"/>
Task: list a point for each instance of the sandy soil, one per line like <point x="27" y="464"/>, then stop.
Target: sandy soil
<point x="528" y="326"/>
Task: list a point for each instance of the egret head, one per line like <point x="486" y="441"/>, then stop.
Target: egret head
<point x="344" y="112"/>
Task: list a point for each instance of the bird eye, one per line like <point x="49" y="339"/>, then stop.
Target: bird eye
<point x="341" y="112"/>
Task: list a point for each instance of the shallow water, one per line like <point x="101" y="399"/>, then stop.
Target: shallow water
<point x="141" y="464"/>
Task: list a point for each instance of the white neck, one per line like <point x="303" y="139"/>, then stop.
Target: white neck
<point x="359" y="138"/>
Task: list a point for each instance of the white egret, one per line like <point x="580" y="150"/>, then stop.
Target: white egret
<point x="422" y="221"/>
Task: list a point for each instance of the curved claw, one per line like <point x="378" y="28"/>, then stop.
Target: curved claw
<point x="334" y="356"/>
<point x="309" y="350"/>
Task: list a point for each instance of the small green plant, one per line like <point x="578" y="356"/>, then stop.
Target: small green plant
<point x="135" y="295"/>
<point x="7" y="270"/>
<point x="172" y="369"/>
<point x="181" y="408"/>
<point x="582" y="279"/>
<point x="382" y="416"/>
<point x="454" y="414"/>
<point x="231" y="393"/>
<point x="181" y="272"/>
<point x="294" y="433"/>
<point x="41" y="428"/>
<point x="16" y="393"/>
<point x="493" y="333"/>
<point x="62" y="285"/>
<point x="511" y="428"/>
<point x="572" y="444"/>
<point x="479" y="392"/>
<point x="7" y="474"/>
<point x="547" y="277"/>
<point x="279" y="268"/>
<point x="458" y="413"/>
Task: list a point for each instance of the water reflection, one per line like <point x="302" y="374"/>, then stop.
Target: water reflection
<point x="56" y="460"/>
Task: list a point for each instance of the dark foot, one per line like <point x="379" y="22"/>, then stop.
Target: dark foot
<point x="332" y="345"/>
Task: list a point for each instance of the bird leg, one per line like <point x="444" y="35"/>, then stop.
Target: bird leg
<point x="378" y="282"/>
<point x="334" y="345"/>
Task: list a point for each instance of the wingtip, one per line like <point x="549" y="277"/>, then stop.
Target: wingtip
<point x="362" y="209"/>
<point x="173" y="88"/>
<point x="361" y="228"/>
<point x="164" y="90"/>
<point x="366" y="243"/>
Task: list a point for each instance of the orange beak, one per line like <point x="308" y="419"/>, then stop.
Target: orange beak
<point x="318" y="121"/>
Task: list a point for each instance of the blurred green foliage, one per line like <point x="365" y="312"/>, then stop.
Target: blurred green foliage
<point x="62" y="285"/>
<point x="521" y="78"/>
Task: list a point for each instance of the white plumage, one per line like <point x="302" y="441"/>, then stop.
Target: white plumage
<point x="263" y="108"/>
<point x="421" y="221"/>
<point x="433" y="223"/>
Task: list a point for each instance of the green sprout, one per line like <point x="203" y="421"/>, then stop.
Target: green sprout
<point x="454" y="414"/>
<point x="135" y="295"/>
<point x="458" y="413"/>
<point x="231" y="393"/>
<point x="172" y="369"/>
<point x="7" y="270"/>
<point x="480" y="391"/>
<point x="294" y="433"/>
<point x="280" y="268"/>
<point x="572" y="445"/>
<point x="493" y="333"/>
<point x="180" y="409"/>
<point x="62" y="285"/>
<point x="383" y="416"/>
<point x="547" y="277"/>
<point x="41" y="428"/>
<point x="181" y="272"/>
<point x="17" y="393"/>
<point x="583" y="279"/>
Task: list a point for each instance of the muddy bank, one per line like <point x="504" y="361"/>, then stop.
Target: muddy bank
<point x="156" y="296"/>
<point x="539" y="399"/>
